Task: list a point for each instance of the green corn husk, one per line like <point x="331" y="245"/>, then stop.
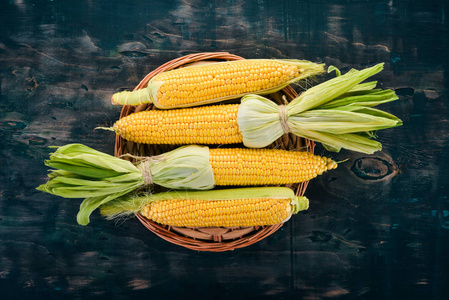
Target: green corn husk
<point x="129" y="205"/>
<point x="82" y="172"/>
<point x="338" y="113"/>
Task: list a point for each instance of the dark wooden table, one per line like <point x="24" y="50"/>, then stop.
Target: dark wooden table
<point x="377" y="227"/>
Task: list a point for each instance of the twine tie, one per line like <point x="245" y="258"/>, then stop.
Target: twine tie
<point x="283" y="110"/>
<point x="144" y="165"/>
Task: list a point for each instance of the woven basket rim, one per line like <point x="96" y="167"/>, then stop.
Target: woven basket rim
<point x="168" y="233"/>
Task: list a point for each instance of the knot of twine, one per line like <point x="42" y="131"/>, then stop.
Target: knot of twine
<point x="283" y="110"/>
<point x="144" y="165"/>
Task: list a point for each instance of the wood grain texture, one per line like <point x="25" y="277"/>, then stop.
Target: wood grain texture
<point x="377" y="227"/>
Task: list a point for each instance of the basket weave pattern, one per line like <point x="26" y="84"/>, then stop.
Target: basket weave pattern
<point x="208" y="239"/>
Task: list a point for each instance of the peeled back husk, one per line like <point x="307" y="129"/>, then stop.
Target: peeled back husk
<point x="338" y="113"/>
<point x="82" y="172"/>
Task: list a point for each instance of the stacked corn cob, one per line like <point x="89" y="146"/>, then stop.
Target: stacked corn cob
<point x="191" y="167"/>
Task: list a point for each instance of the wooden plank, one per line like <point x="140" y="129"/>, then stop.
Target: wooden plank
<point x="377" y="227"/>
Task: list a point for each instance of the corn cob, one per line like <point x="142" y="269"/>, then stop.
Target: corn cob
<point x="82" y="172"/>
<point x="241" y="166"/>
<point x="342" y="121"/>
<point x="196" y="85"/>
<point x="216" y="208"/>
<point x="215" y="124"/>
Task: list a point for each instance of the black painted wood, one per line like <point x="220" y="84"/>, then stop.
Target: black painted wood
<point x="377" y="227"/>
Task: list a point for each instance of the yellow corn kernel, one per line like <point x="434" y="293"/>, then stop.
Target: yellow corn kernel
<point x="203" y="125"/>
<point x="196" y="85"/>
<point x="215" y="213"/>
<point x="243" y="166"/>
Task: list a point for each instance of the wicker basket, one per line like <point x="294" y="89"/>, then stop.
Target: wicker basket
<point x="209" y="239"/>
